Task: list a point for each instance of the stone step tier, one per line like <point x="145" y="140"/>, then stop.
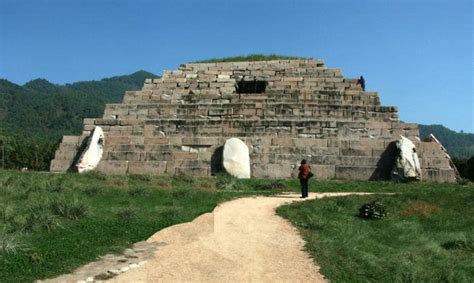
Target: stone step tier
<point x="176" y="123"/>
<point x="273" y="157"/>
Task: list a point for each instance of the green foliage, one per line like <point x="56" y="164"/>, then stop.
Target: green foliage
<point x="465" y="168"/>
<point x="372" y="210"/>
<point x="270" y="185"/>
<point x="226" y="182"/>
<point x="459" y="145"/>
<point x="35" y="116"/>
<point x="427" y="237"/>
<point x="70" y="209"/>
<point x="250" y="57"/>
<point x="50" y="224"/>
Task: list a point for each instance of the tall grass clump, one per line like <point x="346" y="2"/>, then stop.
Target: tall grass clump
<point x="70" y="209"/>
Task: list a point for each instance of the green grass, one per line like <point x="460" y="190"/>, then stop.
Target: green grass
<point x="51" y="224"/>
<point x="250" y="57"/>
<point x="428" y="235"/>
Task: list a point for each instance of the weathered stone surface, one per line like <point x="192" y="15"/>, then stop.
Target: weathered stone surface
<point x="407" y="166"/>
<point x="305" y="111"/>
<point x="93" y="151"/>
<point x="236" y="158"/>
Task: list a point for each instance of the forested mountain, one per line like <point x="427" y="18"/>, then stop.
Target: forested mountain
<point x="459" y="145"/>
<point x="35" y="116"/>
<point x="42" y="108"/>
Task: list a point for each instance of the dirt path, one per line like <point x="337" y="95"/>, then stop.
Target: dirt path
<point x="241" y="240"/>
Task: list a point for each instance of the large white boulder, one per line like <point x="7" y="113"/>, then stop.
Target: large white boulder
<point x="407" y="164"/>
<point x="236" y="158"/>
<point x="92" y="154"/>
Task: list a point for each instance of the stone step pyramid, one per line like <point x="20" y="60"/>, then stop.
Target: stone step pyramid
<point x="284" y="110"/>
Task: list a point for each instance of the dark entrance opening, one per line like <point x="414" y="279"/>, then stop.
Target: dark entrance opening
<point x="217" y="161"/>
<point x="254" y="86"/>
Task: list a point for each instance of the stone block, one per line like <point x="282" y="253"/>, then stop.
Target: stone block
<point x="355" y="172"/>
<point x="114" y="140"/>
<point x="124" y="155"/>
<point x="72" y="139"/>
<point x="438" y="175"/>
<point x="113" y="167"/>
<point x="156" y="140"/>
<point x="147" y="167"/>
<point x="279" y="170"/>
<point x="191" y="171"/>
<point x="323" y="172"/>
<point x="59" y="165"/>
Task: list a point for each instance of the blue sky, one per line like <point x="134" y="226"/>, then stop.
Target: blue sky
<point x="417" y="54"/>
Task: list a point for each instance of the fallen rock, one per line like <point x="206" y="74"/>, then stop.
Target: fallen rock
<point x="92" y="154"/>
<point x="236" y="158"/>
<point x="407" y="165"/>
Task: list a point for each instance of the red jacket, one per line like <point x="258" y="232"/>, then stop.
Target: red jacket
<point x="304" y="171"/>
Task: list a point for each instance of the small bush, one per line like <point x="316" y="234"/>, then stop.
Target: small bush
<point x="463" y="181"/>
<point x="372" y="210"/>
<point x="69" y="209"/>
<point x="228" y="183"/>
<point x="459" y="245"/>
<point x="269" y="186"/>
<point x="11" y="243"/>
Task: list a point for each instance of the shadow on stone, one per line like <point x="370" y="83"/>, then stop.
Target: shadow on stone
<point x="217" y="161"/>
<point x="385" y="163"/>
<point x="80" y="150"/>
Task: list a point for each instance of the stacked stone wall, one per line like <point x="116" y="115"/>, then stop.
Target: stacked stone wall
<point x="175" y="124"/>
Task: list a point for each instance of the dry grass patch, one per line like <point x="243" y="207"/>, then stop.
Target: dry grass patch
<point x="419" y="207"/>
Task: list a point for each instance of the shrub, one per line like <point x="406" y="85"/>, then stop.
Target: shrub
<point x="11" y="243"/>
<point x="459" y="245"/>
<point x="228" y="183"/>
<point x="372" y="210"/>
<point x="69" y="209"/>
<point x="269" y="186"/>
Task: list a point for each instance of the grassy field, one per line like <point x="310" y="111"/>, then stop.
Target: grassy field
<point x="250" y="57"/>
<point x="427" y="236"/>
<point x="51" y="224"/>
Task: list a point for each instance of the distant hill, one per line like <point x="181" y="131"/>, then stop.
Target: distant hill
<point x="35" y="116"/>
<point x="459" y="145"/>
<point x="43" y="108"/>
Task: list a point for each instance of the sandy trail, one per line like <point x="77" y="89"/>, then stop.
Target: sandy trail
<point x="241" y="240"/>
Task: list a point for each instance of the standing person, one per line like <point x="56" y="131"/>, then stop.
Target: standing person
<point x="304" y="174"/>
<point x="362" y="82"/>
